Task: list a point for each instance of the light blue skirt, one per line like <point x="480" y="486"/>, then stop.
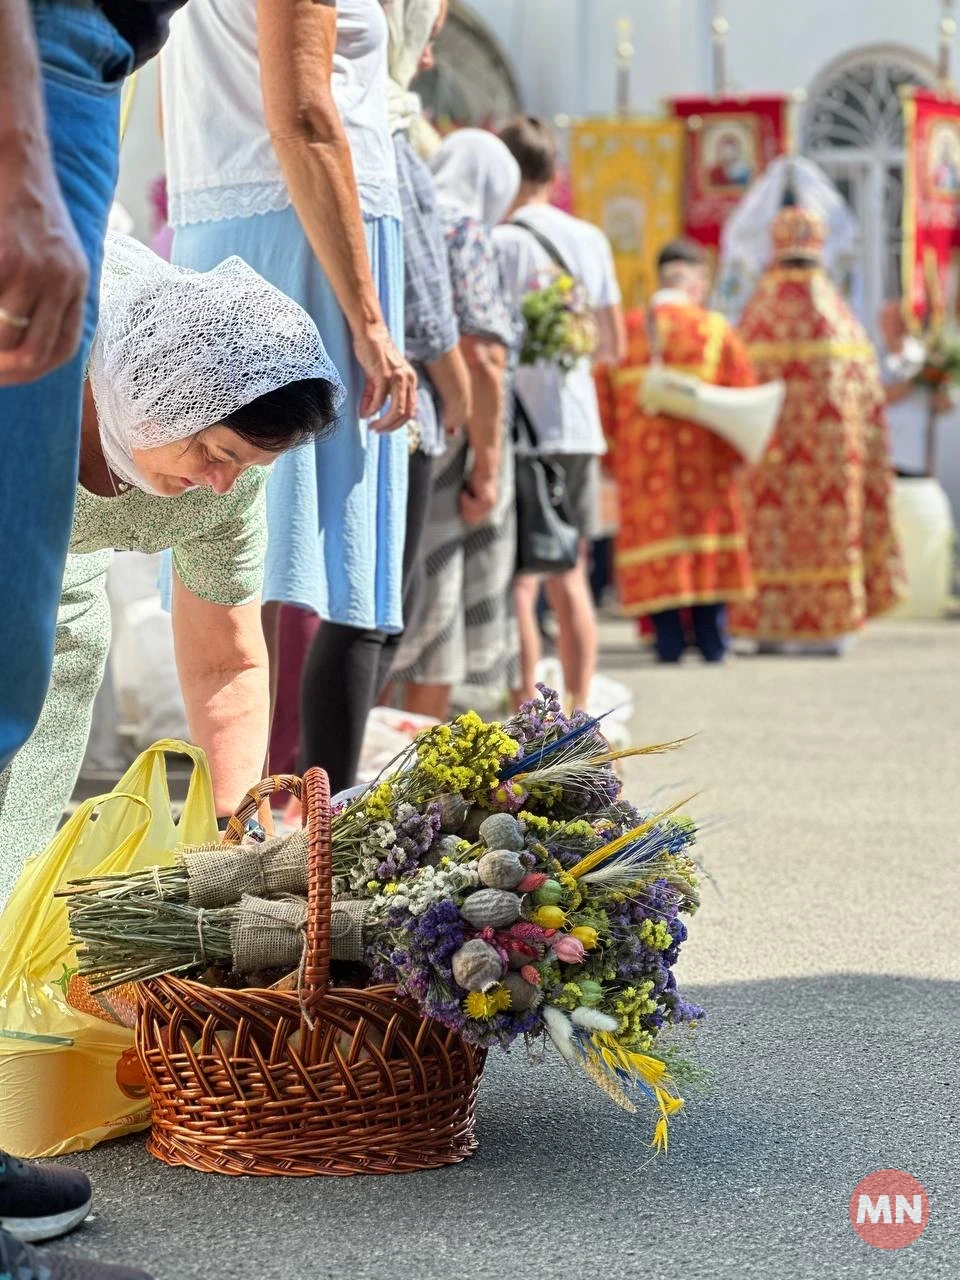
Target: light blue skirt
<point x="336" y="510"/>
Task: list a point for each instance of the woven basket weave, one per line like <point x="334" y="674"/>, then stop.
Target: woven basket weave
<point x="241" y="1083"/>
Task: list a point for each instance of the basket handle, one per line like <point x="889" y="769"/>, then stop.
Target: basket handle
<point x="249" y="806"/>
<point x="316" y="817"/>
<point x="314" y="791"/>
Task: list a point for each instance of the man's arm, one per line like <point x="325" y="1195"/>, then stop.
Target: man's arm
<point x="611" y="335"/>
<point x="608" y="309"/>
<point x="43" y="271"/>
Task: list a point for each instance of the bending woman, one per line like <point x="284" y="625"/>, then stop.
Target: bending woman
<point x="196" y="383"/>
<point x="279" y="150"/>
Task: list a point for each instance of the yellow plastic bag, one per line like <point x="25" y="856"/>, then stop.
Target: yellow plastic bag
<point x="70" y="1078"/>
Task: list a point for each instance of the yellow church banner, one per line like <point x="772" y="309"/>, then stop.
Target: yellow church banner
<point x="626" y="176"/>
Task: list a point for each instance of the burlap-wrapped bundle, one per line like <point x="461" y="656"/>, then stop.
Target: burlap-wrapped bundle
<point x="270" y="934"/>
<point x="218" y="877"/>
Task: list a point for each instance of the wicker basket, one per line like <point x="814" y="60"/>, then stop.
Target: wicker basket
<point x="241" y="1083"/>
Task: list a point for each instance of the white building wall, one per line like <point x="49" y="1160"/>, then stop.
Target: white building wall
<point x="563" y="50"/>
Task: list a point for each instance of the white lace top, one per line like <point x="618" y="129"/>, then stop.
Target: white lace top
<point x="220" y="161"/>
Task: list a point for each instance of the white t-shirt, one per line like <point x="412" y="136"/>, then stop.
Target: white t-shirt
<point x="562" y="407"/>
<point x="220" y="160"/>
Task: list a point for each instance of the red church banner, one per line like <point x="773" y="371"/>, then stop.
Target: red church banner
<point x="931" y="202"/>
<point x="730" y="141"/>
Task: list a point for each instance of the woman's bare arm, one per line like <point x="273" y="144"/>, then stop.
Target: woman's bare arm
<point x="222" y="664"/>
<point x="297" y="39"/>
<point x="487" y="362"/>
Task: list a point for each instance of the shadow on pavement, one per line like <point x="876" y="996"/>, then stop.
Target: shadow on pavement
<point x="814" y="1083"/>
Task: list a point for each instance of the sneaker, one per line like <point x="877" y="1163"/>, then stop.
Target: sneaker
<point x="20" y="1261"/>
<point x="41" y="1201"/>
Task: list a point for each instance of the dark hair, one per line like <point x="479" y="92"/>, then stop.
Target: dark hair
<point x="533" y="146"/>
<point x="289" y="416"/>
<point x="682" y="250"/>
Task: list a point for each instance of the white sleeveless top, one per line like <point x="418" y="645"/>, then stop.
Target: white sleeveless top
<point x="220" y="160"/>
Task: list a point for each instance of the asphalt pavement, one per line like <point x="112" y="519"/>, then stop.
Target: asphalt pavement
<point x="827" y="955"/>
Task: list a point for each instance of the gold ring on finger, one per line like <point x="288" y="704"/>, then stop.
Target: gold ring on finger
<point x="15" y="322"/>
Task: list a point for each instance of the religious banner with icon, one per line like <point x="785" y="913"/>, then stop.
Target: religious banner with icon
<point x="730" y="141"/>
<point x="931" y="202"/>
<point x="626" y="177"/>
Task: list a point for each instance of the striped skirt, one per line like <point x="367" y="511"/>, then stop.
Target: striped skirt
<point x="464" y="631"/>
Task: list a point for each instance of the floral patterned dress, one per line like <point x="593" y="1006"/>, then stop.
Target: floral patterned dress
<point x="218" y="545"/>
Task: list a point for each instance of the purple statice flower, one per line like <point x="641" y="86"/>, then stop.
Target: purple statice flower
<point x="637" y="963"/>
<point x="416" y="833"/>
<point x="502" y="1029"/>
<point x="420" y="964"/>
<point x="566" y="856"/>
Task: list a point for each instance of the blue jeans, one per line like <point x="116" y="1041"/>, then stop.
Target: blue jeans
<point x="84" y="61"/>
<point x="709" y="627"/>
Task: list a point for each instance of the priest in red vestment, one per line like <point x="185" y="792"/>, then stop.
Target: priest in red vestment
<point x="681" y="542"/>
<point x="820" y="504"/>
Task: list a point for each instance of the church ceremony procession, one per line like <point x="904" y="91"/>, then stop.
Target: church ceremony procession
<point x="480" y="714"/>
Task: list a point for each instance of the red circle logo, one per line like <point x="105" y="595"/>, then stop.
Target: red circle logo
<point x="889" y="1209"/>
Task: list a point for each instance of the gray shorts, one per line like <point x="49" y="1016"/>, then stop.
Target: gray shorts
<point x="582" y="474"/>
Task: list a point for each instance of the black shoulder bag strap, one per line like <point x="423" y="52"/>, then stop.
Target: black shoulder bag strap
<point x="546" y="244"/>
<point x="522" y="425"/>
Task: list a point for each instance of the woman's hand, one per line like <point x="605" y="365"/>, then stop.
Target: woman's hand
<point x="389" y="377"/>
<point x="480" y="492"/>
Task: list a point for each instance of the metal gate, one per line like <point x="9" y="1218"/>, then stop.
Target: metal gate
<point x="853" y="128"/>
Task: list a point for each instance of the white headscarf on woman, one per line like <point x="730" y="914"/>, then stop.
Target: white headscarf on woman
<point x="410" y="23"/>
<point x="475" y="176"/>
<point x="176" y="350"/>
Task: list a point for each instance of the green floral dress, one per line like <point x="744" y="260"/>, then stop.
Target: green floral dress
<point x="218" y="545"/>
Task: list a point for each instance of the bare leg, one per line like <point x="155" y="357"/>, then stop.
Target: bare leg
<point x="526" y="588"/>
<point x="428" y="700"/>
<point x="572" y="603"/>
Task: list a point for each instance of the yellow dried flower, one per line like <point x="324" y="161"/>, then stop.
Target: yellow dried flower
<point x="572" y="886"/>
<point x="487" y="1004"/>
<point x="378" y="803"/>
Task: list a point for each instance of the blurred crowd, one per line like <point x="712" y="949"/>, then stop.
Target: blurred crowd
<point x="314" y="401"/>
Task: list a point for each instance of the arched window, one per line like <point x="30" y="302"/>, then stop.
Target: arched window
<point x="472" y="83"/>
<point x="853" y="128"/>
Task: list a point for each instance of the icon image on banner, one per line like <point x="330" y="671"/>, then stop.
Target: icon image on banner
<point x="728" y="151"/>
<point x="943" y="159"/>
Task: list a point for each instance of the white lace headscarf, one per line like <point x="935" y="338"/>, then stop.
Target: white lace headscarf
<point x="747" y="246"/>
<point x="410" y="23"/>
<point x="475" y="176"/>
<point x="176" y="350"/>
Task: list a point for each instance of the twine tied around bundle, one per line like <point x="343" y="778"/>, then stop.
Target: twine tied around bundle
<point x="218" y="877"/>
<point x="271" y="934"/>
